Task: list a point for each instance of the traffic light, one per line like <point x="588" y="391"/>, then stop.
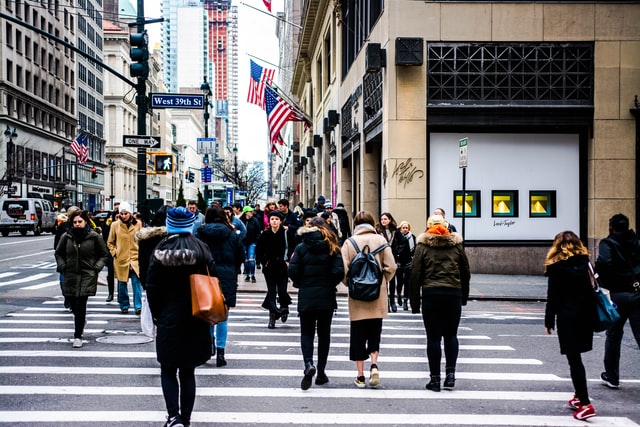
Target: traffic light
<point x="94" y="173"/>
<point x="186" y="176"/>
<point x="139" y="53"/>
<point x="163" y="163"/>
<point x="192" y="176"/>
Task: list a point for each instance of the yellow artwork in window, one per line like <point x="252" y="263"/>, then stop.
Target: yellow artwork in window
<point x="502" y="205"/>
<point x="539" y="204"/>
<point x="468" y="205"/>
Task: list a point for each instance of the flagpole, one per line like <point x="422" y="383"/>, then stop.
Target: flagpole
<point x="272" y="15"/>
<point x="294" y="105"/>
<point x="270" y="63"/>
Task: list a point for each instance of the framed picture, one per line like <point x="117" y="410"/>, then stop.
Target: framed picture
<point x="542" y="204"/>
<point x="471" y="203"/>
<point x="504" y="203"/>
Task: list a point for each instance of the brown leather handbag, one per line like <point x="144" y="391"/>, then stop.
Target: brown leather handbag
<point x="207" y="299"/>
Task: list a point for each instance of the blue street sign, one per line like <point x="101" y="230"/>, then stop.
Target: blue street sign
<point x="205" y="174"/>
<point x="177" y="100"/>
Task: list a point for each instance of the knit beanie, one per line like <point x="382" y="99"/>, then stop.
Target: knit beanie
<point x="180" y="220"/>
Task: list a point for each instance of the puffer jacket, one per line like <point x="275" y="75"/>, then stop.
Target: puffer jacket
<point x="80" y="262"/>
<point x="440" y="266"/>
<point x="228" y="253"/>
<point x="147" y="239"/>
<point x="315" y="271"/>
<point x="364" y="235"/>
<point x="182" y="340"/>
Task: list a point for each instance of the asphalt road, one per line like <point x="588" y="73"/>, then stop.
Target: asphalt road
<point x="509" y="372"/>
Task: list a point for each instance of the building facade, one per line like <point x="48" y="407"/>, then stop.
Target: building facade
<point x="520" y="114"/>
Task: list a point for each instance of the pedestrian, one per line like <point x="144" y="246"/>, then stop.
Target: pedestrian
<point x="273" y="251"/>
<point x="618" y="264"/>
<point x="106" y="229"/>
<point x="254" y="228"/>
<point x="192" y="206"/>
<point x="138" y="216"/>
<point x="124" y="249"/>
<point x="227" y="250"/>
<point x="270" y="206"/>
<point x="387" y="228"/>
<point x="334" y="220"/>
<point x="148" y="238"/>
<point x="235" y="222"/>
<point x="64" y="226"/>
<point x="291" y="222"/>
<point x="318" y="208"/>
<point x="366" y="316"/>
<point x="404" y="246"/>
<point x="440" y="271"/>
<point x="450" y="227"/>
<point x="343" y="221"/>
<point x="80" y="255"/>
<point x="183" y="341"/>
<point x="571" y="301"/>
<point x="316" y="269"/>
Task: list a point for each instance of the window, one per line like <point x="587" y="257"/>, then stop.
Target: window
<point x="542" y="204"/>
<point x="504" y="203"/>
<point x="18" y="40"/>
<point x="27" y="47"/>
<point x="9" y="35"/>
<point x="471" y="203"/>
<point x="9" y="71"/>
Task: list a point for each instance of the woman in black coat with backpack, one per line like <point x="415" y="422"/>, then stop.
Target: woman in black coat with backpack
<point x="570" y="300"/>
<point x="316" y="268"/>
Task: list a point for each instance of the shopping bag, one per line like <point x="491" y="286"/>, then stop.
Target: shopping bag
<point x="207" y="299"/>
<point x="146" y="319"/>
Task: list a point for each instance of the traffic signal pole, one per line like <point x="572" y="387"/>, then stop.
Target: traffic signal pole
<point x="142" y="102"/>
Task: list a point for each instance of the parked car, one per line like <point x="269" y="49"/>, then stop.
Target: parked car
<point x="27" y="214"/>
<point x="101" y="217"/>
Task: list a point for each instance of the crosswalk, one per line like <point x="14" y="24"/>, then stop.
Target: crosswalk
<point x="44" y="382"/>
<point x="32" y="276"/>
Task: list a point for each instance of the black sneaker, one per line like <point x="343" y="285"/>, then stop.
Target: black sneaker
<point x="174" y="422"/>
<point x="321" y="379"/>
<point x="248" y="278"/>
<point x="253" y="279"/>
<point x="608" y="382"/>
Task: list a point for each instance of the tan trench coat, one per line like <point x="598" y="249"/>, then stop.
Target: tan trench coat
<point x="377" y="309"/>
<point x="124" y="249"/>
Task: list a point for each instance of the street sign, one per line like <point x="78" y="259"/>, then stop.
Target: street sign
<point x="463" y="143"/>
<point x="205" y="174"/>
<point x="206" y="145"/>
<point x="177" y="100"/>
<point x="140" y="141"/>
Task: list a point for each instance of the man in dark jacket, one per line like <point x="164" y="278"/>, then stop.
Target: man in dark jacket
<point x="291" y="222"/>
<point x="618" y="264"/>
<point x="254" y="228"/>
<point x="343" y="220"/>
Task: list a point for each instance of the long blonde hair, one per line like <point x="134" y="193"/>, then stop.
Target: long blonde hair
<point x="566" y="244"/>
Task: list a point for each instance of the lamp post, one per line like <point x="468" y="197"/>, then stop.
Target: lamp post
<point x="235" y="169"/>
<point x="206" y="90"/>
<point x="11" y="134"/>
<point x="112" y="166"/>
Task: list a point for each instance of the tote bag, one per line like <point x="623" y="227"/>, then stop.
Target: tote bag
<point x="606" y="313"/>
<point x="207" y="299"/>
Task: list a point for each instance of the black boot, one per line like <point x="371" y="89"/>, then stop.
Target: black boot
<point x="309" y="372"/>
<point x="284" y="314"/>
<point x="110" y="298"/>
<point x="450" y="380"/>
<point x="405" y="304"/>
<point x="220" y="361"/>
<point x="272" y="321"/>
<point x="392" y="304"/>
<point x="434" y="384"/>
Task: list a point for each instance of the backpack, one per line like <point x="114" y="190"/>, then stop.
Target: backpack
<point x="365" y="277"/>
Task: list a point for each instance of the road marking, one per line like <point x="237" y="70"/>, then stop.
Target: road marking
<point x="51" y="331"/>
<point x="50" y="322"/>
<point x="8" y="274"/>
<point x="31" y="278"/>
<point x="21" y="241"/>
<point x="346" y="345"/>
<point x="42" y="285"/>
<point x="25" y="256"/>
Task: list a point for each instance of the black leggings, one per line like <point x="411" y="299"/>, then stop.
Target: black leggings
<point x="79" y="307"/>
<point x="441" y="317"/>
<point x="308" y="322"/>
<point x="185" y="391"/>
<point x="578" y="377"/>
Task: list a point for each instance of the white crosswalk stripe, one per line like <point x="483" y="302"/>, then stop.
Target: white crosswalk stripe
<point x="36" y="361"/>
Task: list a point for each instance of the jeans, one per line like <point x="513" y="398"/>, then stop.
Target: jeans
<point x="110" y="275"/>
<point x="67" y="304"/>
<point x="441" y="317"/>
<point x="628" y="308"/>
<point x="250" y="261"/>
<point x="219" y="333"/>
<point x="123" y="295"/>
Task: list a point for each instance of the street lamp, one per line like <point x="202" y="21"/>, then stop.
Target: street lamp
<point x="206" y="89"/>
<point x="112" y="166"/>
<point x="8" y="133"/>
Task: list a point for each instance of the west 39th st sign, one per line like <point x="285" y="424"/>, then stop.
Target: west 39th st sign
<point x="176" y="100"/>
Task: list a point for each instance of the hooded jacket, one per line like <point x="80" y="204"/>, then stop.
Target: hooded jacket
<point x="147" y="239"/>
<point x="618" y="261"/>
<point x="182" y="340"/>
<point x="440" y="266"/>
<point x="315" y="272"/>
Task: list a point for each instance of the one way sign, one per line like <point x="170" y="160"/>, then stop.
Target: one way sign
<point x="140" y="141"/>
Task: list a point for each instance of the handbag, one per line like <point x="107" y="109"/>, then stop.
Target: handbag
<point x="207" y="300"/>
<point x="606" y="314"/>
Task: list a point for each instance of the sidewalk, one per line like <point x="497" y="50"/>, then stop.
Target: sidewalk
<point x="495" y="287"/>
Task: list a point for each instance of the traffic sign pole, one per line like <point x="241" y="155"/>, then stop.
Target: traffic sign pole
<point x="463" y="162"/>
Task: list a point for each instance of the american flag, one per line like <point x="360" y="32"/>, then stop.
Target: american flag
<point x="278" y="113"/>
<point x="259" y="78"/>
<point x="80" y="147"/>
<point x="267" y="3"/>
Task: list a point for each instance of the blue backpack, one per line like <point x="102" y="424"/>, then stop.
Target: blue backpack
<point x="365" y="277"/>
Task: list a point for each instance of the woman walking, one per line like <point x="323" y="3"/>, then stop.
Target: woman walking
<point x="570" y="300"/>
<point x="366" y="316"/>
<point x="183" y="341"/>
<point x="80" y="255"/>
<point x="226" y="249"/>
<point x="273" y="251"/>
<point x="316" y="269"/>
<point x="404" y="246"/>
<point x="441" y="271"/>
<point x="387" y="228"/>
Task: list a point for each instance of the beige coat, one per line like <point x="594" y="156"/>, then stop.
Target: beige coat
<point x="366" y="235"/>
<point x="124" y="249"/>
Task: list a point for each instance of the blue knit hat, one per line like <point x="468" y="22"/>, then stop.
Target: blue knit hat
<point x="180" y="220"/>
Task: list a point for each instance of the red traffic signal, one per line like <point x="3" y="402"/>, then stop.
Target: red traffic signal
<point x="94" y="173"/>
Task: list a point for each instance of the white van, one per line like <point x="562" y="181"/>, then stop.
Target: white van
<point x="27" y="214"/>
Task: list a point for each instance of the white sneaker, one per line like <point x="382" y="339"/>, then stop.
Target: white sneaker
<point x="77" y="343"/>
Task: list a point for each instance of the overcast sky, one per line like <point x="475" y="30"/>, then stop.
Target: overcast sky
<point x="256" y="37"/>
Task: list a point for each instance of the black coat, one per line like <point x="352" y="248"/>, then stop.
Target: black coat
<point x="618" y="261"/>
<point x="315" y="272"/>
<point x="228" y="253"/>
<point x="402" y="251"/>
<point x="182" y="339"/>
<point x="147" y="238"/>
<point x="274" y="250"/>
<point x="254" y="228"/>
<point x="571" y="300"/>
